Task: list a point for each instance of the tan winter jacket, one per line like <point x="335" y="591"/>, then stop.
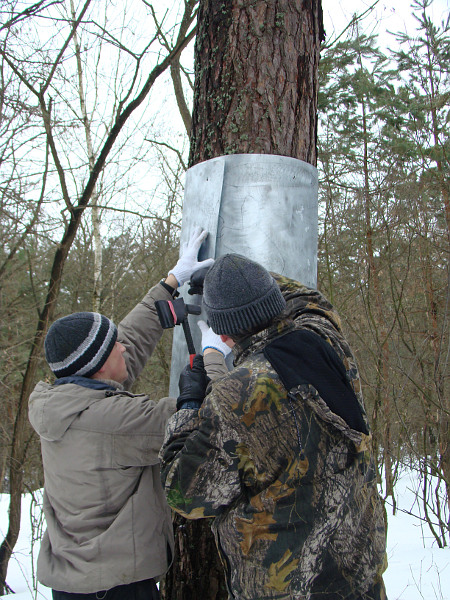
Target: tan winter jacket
<point x="108" y="523"/>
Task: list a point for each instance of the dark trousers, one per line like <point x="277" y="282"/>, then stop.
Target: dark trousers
<point x="140" y="590"/>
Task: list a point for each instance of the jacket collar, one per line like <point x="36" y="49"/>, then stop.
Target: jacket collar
<point x="87" y="382"/>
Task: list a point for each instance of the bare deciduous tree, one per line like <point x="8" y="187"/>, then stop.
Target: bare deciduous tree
<point x="42" y="68"/>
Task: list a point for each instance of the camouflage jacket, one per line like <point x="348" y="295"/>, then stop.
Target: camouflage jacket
<point x="290" y="485"/>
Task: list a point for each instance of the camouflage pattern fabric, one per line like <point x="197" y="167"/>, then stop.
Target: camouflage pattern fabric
<point x="291" y="488"/>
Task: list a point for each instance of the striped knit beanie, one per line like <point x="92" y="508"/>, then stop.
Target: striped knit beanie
<point x="79" y="344"/>
<point x="239" y="294"/>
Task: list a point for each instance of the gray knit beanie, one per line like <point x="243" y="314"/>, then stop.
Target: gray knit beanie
<point x="79" y="344"/>
<point x="239" y="294"/>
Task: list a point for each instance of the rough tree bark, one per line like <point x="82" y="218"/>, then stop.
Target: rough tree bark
<point x="256" y="78"/>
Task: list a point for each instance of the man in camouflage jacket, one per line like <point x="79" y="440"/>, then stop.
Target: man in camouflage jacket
<point x="279" y="453"/>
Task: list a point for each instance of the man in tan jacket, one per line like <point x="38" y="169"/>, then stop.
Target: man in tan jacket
<point x="109" y="531"/>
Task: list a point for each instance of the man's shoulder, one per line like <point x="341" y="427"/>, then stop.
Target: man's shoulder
<point x="253" y="364"/>
<point x="252" y="372"/>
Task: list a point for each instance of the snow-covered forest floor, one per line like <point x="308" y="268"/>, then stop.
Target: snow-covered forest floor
<point x="418" y="569"/>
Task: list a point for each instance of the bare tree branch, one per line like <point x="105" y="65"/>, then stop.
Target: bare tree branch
<point x="31" y="11"/>
<point x="65" y="45"/>
<point x="127" y="211"/>
<point x="32" y="222"/>
<point x="164" y="145"/>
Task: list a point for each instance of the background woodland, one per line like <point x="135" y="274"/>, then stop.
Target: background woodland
<point x="95" y="114"/>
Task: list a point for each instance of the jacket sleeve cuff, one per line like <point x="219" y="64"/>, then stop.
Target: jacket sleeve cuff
<point x="215" y="365"/>
<point x="172" y="291"/>
<point x="192" y="404"/>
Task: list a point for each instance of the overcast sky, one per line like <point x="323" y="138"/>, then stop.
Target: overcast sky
<point x="387" y="15"/>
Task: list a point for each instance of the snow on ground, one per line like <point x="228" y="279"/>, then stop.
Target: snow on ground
<point x="418" y="569"/>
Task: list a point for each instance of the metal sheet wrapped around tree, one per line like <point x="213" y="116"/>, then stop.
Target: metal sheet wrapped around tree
<point x="260" y="205"/>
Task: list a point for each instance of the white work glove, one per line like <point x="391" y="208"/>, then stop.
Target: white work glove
<point x="212" y="340"/>
<point x="188" y="261"/>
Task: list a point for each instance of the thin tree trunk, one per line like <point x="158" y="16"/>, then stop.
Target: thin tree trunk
<point x="382" y="395"/>
<point x="441" y="361"/>
<point x="95" y="211"/>
<point x="175" y="67"/>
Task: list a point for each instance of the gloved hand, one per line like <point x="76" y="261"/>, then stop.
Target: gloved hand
<point x="197" y="281"/>
<point x="212" y="340"/>
<point x="188" y="262"/>
<point x="193" y="383"/>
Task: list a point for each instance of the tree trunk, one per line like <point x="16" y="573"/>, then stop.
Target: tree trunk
<point x="256" y="79"/>
<point x="256" y="74"/>
<point x="95" y="211"/>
